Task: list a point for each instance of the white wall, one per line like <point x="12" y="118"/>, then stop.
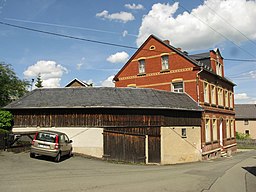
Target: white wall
<point x="175" y="149"/>
<point x="87" y="141"/>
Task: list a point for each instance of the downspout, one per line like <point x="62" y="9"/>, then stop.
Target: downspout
<point x="197" y="81"/>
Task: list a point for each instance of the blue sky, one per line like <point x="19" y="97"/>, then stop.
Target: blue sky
<point x="195" y="26"/>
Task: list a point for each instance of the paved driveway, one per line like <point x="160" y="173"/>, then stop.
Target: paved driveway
<point x="18" y="172"/>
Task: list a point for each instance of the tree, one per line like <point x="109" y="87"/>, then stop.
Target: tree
<point x="39" y="81"/>
<point x="6" y="120"/>
<point x="11" y="87"/>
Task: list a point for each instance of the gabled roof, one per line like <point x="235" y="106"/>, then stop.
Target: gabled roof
<point x="78" y="81"/>
<point x="104" y="97"/>
<point x="193" y="60"/>
<point x="245" y="111"/>
<point x="162" y="42"/>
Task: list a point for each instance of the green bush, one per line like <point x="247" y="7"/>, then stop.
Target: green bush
<point x="6" y="120"/>
<point x="242" y="136"/>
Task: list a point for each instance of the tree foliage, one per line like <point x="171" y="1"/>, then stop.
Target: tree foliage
<point x="39" y="81"/>
<point x="6" y="120"/>
<point x="11" y="87"/>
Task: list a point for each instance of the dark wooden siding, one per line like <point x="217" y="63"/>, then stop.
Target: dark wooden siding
<point x="154" y="149"/>
<point x="129" y="144"/>
<point x="124" y="147"/>
<point x="104" y="118"/>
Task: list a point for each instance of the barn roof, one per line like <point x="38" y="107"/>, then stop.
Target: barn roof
<point x="104" y="97"/>
<point x="245" y="111"/>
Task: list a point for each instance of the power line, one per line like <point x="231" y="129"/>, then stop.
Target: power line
<point x="216" y="31"/>
<point x="67" y="36"/>
<point x="95" y="41"/>
<point x="68" y="26"/>
<point x="229" y="23"/>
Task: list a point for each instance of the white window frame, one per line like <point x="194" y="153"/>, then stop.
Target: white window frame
<point x="165" y="62"/>
<point x="232" y="128"/>
<point x="220" y="96"/>
<point x="207" y="131"/>
<point x="206" y="93"/>
<point x="214" y="130"/>
<point x="228" y="128"/>
<point x="141" y="66"/>
<point x="231" y="104"/>
<point x="177" y="90"/>
<point x="226" y="98"/>
<point x="213" y="94"/>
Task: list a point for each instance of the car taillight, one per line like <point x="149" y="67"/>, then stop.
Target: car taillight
<point x="33" y="141"/>
<point x="56" y="146"/>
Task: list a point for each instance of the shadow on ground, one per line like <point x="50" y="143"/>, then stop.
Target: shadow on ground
<point x="251" y="170"/>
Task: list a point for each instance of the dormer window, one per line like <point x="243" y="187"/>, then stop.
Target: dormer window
<point x="218" y="66"/>
<point x="165" y="62"/>
<point x="141" y="66"/>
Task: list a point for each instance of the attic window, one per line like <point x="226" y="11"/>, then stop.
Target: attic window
<point x="152" y="47"/>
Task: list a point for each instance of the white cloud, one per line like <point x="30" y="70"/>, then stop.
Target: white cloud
<point x="134" y="6"/>
<point x="50" y="72"/>
<point x="122" y="16"/>
<point x="253" y="74"/>
<point x="243" y="98"/>
<point x="187" y="32"/>
<point x="108" y="82"/>
<point x="119" y="57"/>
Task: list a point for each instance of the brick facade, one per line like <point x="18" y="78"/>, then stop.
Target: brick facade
<point x="198" y="77"/>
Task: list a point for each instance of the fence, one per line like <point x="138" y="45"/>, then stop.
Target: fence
<point x="246" y="143"/>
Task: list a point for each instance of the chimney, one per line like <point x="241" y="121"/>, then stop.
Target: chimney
<point x="167" y="42"/>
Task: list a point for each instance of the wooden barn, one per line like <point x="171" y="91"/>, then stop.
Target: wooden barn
<point x="123" y="124"/>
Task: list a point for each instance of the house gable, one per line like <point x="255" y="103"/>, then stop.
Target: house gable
<point x="151" y="51"/>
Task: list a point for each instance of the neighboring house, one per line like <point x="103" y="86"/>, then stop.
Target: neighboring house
<point x="246" y="119"/>
<point x="158" y="65"/>
<point x="78" y="83"/>
<point x="124" y="124"/>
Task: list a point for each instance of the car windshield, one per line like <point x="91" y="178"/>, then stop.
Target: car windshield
<point x="48" y="137"/>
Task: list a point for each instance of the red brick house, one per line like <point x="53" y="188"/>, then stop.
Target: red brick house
<point x="158" y="65"/>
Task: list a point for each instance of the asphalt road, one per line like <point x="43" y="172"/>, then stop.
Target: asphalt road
<point x="20" y="173"/>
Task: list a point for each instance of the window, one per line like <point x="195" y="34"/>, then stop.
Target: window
<point x="218" y="66"/>
<point x="232" y="128"/>
<point x="219" y="69"/>
<point x="177" y="87"/>
<point x="226" y="98"/>
<point x="214" y="130"/>
<point x="207" y="131"/>
<point x="246" y="122"/>
<point x="165" y="62"/>
<point x="231" y="100"/>
<point x="183" y="132"/>
<point x="206" y="93"/>
<point x="247" y="132"/>
<point x="228" y="129"/>
<point x="220" y="96"/>
<point x="142" y="66"/>
<point x="213" y="94"/>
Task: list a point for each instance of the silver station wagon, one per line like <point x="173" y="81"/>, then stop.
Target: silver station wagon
<point x="51" y="143"/>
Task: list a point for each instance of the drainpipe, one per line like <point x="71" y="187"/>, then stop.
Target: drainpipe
<point x="197" y="82"/>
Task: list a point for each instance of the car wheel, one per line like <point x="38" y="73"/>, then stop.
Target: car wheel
<point x="32" y="155"/>
<point x="57" y="158"/>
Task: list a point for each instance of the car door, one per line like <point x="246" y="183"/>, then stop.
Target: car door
<point x="62" y="144"/>
<point x="68" y="144"/>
